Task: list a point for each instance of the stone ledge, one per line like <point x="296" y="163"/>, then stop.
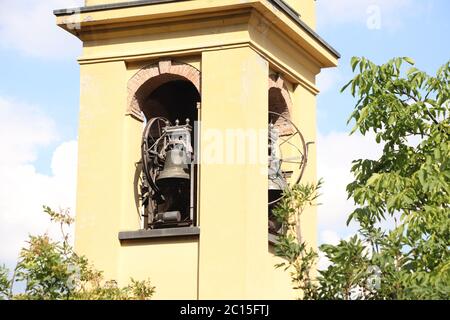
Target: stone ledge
<point x="159" y="233"/>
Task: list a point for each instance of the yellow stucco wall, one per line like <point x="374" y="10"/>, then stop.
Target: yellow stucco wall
<point x="305" y="116"/>
<point x="233" y="196"/>
<point x="306" y="9"/>
<point x="99" y="161"/>
<point x="231" y="259"/>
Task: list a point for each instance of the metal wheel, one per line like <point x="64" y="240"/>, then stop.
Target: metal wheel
<point x="292" y="149"/>
<point x="151" y="149"/>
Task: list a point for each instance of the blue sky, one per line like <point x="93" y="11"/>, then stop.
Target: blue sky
<point x="39" y="97"/>
<point x="418" y="29"/>
<point x="51" y="85"/>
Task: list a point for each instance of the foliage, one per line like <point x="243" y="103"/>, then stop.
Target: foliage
<point x="4" y="282"/>
<point x="52" y="270"/>
<point x="406" y="188"/>
<point x="290" y="245"/>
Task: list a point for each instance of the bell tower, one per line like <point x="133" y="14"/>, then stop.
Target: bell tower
<point x="180" y="101"/>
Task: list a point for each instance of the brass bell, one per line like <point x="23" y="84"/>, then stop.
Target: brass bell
<point x="173" y="183"/>
<point x="175" y="166"/>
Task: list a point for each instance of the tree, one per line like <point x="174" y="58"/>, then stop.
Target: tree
<point x="4" y="282"/>
<point x="290" y="246"/>
<point x="52" y="270"/>
<point x="408" y="185"/>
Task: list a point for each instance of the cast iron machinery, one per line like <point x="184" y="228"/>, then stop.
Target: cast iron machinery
<point x="288" y="154"/>
<point x="167" y="189"/>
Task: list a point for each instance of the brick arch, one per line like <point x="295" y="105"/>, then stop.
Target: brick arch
<point x="280" y="102"/>
<point x="154" y="75"/>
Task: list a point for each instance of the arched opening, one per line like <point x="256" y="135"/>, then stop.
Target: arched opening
<point x="279" y="103"/>
<point x="174" y="100"/>
<point x="279" y="127"/>
<point x="167" y="91"/>
<point x="164" y="83"/>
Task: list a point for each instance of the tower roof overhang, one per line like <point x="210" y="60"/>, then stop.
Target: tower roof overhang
<point x="91" y="22"/>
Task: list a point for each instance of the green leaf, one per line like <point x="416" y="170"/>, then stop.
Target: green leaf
<point x="354" y="62"/>
<point x="373" y="179"/>
<point x="409" y="60"/>
<point x="346" y="86"/>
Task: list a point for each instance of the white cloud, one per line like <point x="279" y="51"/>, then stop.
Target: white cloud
<point x="23" y="129"/>
<point x="327" y="237"/>
<point x="23" y="191"/>
<point x="29" y="27"/>
<point x="323" y="262"/>
<point x="367" y="13"/>
<point x="330" y="237"/>
<point x="336" y="151"/>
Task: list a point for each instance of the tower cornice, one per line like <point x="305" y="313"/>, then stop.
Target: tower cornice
<point x="100" y="22"/>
